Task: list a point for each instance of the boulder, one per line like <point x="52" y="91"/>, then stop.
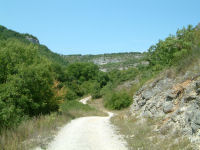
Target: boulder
<point x="147" y="95"/>
<point x="189" y="98"/>
<point x="197" y="84"/>
<point x="147" y="114"/>
<point x="196" y="119"/>
<point x="195" y="127"/>
<point x="198" y="91"/>
<point x="189" y="95"/>
<point x="141" y="102"/>
<point x="168" y="107"/>
<point x="33" y="40"/>
<point x="170" y="97"/>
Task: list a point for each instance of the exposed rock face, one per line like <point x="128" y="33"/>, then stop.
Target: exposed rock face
<point x="177" y="101"/>
<point x="33" y="40"/>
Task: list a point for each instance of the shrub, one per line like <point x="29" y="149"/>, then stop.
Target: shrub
<point x="117" y="100"/>
<point x="26" y="82"/>
<point x="70" y="95"/>
<point x="95" y="90"/>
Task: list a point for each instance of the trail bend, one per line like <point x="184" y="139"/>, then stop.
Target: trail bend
<point x="88" y="133"/>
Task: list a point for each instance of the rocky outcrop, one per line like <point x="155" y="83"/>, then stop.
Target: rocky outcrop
<point x="33" y="40"/>
<point x="175" y="100"/>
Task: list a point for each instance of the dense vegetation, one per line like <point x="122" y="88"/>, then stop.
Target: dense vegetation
<point x="35" y="81"/>
<point x="26" y="82"/>
<point x="82" y="79"/>
<point x="174" y="48"/>
<point x="27" y="38"/>
<point x="117" y="100"/>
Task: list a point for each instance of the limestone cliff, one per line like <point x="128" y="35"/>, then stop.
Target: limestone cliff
<point x="175" y="99"/>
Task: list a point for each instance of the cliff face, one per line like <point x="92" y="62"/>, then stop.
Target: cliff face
<point x="107" y="62"/>
<point x="32" y="40"/>
<point x="176" y="100"/>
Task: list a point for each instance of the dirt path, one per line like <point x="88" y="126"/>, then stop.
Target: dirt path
<point x="88" y="133"/>
<point x="85" y="100"/>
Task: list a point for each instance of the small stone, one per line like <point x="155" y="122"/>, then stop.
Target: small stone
<point x="147" y="114"/>
<point x="195" y="127"/>
<point x="189" y="98"/>
<point x="147" y="95"/>
<point x="168" y="107"/>
<point x="198" y="91"/>
<point x="141" y="103"/>
<point x="170" y="97"/>
<point x="198" y="84"/>
<point x="197" y="117"/>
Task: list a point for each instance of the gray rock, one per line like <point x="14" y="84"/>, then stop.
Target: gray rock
<point x="147" y="114"/>
<point x="189" y="98"/>
<point x="198" y="91"/>
<point x="187" y="131"/>
<point x="175" y="116"/>
<point x="189" y="115"/>
<point x="197" y="117"/>
<point x="197" y="101"/>
<point x="168" y="107"/>
<point x="195" y="127"/>
<point x="170" y="97"/>
<point x="153" y="110"/>
<point x="147" y="95"/>
<point x="197" y="84"/>
<point x="141" y="103"/>
<point x="33" y="40"/>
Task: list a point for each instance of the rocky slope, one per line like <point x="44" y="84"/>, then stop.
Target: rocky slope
<point x="173" y="98"/>
<point x="107" y="62"/>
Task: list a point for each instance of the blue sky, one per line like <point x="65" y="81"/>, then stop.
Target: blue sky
<point x="98" y="26"/>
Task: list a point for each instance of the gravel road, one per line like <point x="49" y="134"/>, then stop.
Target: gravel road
<point x="88" y="133"/>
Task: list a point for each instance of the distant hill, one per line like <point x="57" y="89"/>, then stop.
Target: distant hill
<point x="107" y="62"/>
<point x="27" y="38"/>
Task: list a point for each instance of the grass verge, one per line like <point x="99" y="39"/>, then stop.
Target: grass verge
<point x="140" y="134"/>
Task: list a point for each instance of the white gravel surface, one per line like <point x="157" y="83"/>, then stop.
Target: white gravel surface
<point x="84" y="100"/>
<point x="88" y="133"/>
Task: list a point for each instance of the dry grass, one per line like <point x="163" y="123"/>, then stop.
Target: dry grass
<point x="141" y="135"/>
<point x="39" y="131"/>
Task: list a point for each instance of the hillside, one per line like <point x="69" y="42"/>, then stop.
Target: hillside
<point x="27" y="38"/>
<point x="165" y="109"/>
<point x="108" y="62"/>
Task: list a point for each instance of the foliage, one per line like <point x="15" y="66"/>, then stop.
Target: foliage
<point x="117" y="100"/>
<point x="83" y="79"/>
<point x="95" y="90"/>
<point x="173" y="49"/>
<point x="26" y="82"/>
<point x="6" y="34"/>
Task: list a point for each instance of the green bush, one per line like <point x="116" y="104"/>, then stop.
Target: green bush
<point x="117" y="100"/>
<point x="84" y="78"/>
<point x="26" y="82"/>
<point x="173" y="49"/>
<point x="95" y="90"/>
<point x="71" y="95"/>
